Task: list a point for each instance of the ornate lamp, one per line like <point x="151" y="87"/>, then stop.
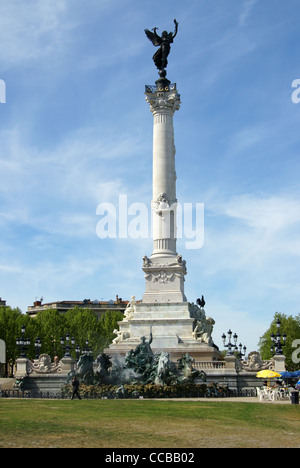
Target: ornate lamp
<point x="231" y="346"/>
<point x="65" y="344"/>
<point x="38" y="346"/>
<point x="23" y="343"/>
<point x="278" y="340"/>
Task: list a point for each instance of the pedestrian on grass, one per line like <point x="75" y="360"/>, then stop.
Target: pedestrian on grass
<point x="75" y="384"/>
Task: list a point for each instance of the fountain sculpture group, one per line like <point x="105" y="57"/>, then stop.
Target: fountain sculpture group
<point x="140" y="366"/>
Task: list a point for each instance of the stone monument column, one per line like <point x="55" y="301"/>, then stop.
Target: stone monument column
<point x="165" y="269"/>
<point x="175" y="325"/>
<point x="163" y="105"/>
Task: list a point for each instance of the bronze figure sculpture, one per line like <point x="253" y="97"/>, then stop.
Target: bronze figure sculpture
<point x="160" y="57"/>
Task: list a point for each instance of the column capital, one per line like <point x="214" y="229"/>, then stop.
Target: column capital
<point x="165" y="101"/>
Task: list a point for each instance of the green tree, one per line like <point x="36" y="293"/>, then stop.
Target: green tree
<point x="291" y="327"/>
<point x="108" y="323"/>
<point x="82" y="324"/>
<point x="10" y="329"/>
<point x="51" y="327"/>
<point x="11" y="322"/>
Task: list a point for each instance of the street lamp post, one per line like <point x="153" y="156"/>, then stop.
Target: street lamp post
<point x="87" y="350"/>
<point x="239" y="353"/>
<point x="65" y="344"/>
<point x="231" y="346"/>
<point x="23" y="343"/>
<point x="77" y="351"/>
<point x="278" y="340"/>
<point x="38" y="346"/>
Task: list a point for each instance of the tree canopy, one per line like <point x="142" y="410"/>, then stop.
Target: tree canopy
<point x="50" y="326"/>
<point x="291" y="327"/>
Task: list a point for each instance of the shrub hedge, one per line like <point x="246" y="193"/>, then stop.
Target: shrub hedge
<point x="137" y="391"/>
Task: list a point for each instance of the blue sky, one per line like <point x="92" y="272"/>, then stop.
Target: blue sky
<point x="75" y="131"/>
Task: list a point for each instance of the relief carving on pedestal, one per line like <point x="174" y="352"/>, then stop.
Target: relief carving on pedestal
<point x="255" y="363"/>
<point x="44" y="365"/>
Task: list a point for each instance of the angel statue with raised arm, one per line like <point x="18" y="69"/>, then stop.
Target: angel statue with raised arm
<point x="160" y="58"/>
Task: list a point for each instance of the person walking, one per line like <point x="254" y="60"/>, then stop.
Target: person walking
<point x="75" y="385"/>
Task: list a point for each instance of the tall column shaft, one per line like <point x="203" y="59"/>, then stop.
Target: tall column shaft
<point x="165" y="269"/>
<point x="163" y="105"/>
<point x="164" y="175"/>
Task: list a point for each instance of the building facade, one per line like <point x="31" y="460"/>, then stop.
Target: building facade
<point x="97" y="307"/>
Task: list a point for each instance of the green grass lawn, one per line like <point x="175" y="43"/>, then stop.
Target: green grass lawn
<point x="147" y="424"/>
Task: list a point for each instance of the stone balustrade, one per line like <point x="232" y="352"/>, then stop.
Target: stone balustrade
<point x="209" y="365"/>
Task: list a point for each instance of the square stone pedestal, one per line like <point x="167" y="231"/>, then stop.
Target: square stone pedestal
<point x="172" y="326"/>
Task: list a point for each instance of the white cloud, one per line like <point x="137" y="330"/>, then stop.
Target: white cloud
<point x="251" y="252"/>
<point x="32" y="30"/>
<point x="270" y="214"/>
<point x="246" y="138"/>
<point x="247" y="10"/>
<point x="84" y="170"/>
<point x="255" y="230"/>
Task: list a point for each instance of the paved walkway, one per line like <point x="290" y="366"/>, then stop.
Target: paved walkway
<point x="230" y="399"/>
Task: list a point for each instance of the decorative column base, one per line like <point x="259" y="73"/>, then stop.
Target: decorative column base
<point x="279" y="363"/>
<point x="230" y="363"/>
<point x="67" y="364"/>
<point x="21" y="368"/>
<point x="164" y="280"/>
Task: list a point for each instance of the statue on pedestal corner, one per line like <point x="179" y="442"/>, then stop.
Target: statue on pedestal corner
<point x="141" y="359"/>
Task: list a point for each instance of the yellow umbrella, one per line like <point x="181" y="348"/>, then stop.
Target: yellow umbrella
<point x="267" y="374"/>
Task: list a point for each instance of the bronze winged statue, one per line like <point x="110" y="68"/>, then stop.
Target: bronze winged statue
<point x="160" y="58"/>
